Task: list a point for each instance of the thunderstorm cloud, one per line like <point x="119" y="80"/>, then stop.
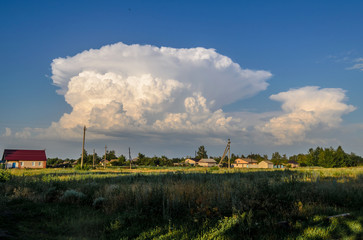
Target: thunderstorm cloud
<point x="150" y="89"/>
<point x="145" y="90"/>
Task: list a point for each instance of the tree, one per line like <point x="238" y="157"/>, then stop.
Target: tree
<point x="110" y="155"/>
<point x="276" y="158"/>
<point x="121" y="160"/>
<point x="257" y="157"/>
<point x="202" y="153"/>
<point x="312" y="157"/>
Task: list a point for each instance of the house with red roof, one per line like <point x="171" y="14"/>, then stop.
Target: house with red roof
<point x="15" y="158"/>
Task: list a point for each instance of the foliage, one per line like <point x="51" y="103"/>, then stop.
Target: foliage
<point x="202" y="153"/>
<point x="154" y="161"/>
<point x="72" y="196"/>
<point x="84" y="167"/>
<point x="328" y="158"/>
<point x="4" y="175"/>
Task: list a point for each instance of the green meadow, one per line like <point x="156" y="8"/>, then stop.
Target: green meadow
<point x="181" y="203"/>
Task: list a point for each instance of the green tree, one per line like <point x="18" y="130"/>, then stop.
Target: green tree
<point x="121" y="160"/>
<point x="110" y="155"/>
<point x="257" y="157"/>
<point x="202" y="153"/>
<point x="276" y="158"/>
<point x="312" y="158"/>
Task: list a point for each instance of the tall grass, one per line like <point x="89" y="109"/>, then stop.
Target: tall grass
<point x="196" y="205"/>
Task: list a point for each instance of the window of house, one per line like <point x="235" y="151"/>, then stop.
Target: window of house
<point x="33" y="163"/>
<point x="40" y="163"/>
<point x="21" y="164"/>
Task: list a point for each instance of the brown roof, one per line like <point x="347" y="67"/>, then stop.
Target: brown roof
<point x="247" y="160"/>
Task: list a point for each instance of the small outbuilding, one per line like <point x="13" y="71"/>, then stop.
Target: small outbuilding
<point x="207" y="162"/>
<point x="265" y="164"/>
<point x="16" y="158"/>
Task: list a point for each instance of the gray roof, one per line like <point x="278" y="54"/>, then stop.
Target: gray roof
<point x="207" y="160"/>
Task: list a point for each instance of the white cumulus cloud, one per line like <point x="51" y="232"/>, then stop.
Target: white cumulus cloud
<point x="7" y="132"/>
<point x="145" y="89"/>
<point x="305" y="109"/>
<point x="135" y="91"/>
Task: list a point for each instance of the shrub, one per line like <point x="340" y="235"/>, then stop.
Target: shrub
<point x="72" y="196"/>
<point x="51" y="194"/>
<point x="4" y="175"/>
<point x="98" y="202"/>
<point x="85" y="167"/>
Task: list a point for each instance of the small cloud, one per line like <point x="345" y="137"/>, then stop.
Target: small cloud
<point x="304" y="110"/>
<point x="7" y="132"/>
<point x="358" y="65"/>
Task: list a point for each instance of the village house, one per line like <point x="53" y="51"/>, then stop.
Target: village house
<point x="191" y="161"/>
<point x="15" y="158"/>
<point x="265" y="164"/>
<point x="104" y="162"/>
<point x="245" y="163"/>
<point x="207" y="162"/>
<point x="293" y="164"/>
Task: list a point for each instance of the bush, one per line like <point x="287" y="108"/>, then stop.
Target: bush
<point x="51" y="194"/>
<point x="98" y="202"/>
<point x="4" y="175"/>
<point x="85" y="167"/>
<point x="72" y="196"/>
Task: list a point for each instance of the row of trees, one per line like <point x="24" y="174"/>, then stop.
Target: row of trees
<point x="328" y="157"/>
<point x="324" y="157"/>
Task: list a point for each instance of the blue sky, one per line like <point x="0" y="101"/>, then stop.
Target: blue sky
<point x="301" y="43"/>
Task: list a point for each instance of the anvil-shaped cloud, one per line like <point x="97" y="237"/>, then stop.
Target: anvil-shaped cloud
<point x="135" y="90"/>
<point x="123" y="87"/>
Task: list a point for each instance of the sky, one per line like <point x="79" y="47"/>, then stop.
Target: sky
<point x="165" y="77"/>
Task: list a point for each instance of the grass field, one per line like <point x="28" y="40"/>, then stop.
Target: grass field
<point x="181" y="203"/>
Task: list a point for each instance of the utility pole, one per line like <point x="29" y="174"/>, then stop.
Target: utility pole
<point x="229" y="153"/>
<point x="130" y="157"/>
<point x="84" y="137"/>
<point x="104" y="162"/>
<point x="93" y="158"/>
<point x="227" y="150"/>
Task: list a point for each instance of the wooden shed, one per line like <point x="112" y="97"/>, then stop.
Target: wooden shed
<point x="265" y="164"/>
<point x="207" y="162"/>
<point x="15" y="158"/>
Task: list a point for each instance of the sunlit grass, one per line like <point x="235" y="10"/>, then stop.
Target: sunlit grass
<point x="185" y="203"/>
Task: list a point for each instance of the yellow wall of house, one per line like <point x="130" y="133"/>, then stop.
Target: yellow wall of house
<point x="26" y="164"/>
<point x="190" y="161"/>
<point x="265" y="165"/>
<point x="10" y="164"/>
<point x="29" y="164"/>
<point x="207" y="164"/>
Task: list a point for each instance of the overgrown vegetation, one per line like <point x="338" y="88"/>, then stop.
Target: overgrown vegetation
<point x="218" y="204"/>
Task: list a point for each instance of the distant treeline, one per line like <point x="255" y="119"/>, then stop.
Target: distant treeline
<point x="323" y="157"/>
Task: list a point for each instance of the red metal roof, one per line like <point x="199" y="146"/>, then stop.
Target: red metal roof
<point x="25" y="155"/>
